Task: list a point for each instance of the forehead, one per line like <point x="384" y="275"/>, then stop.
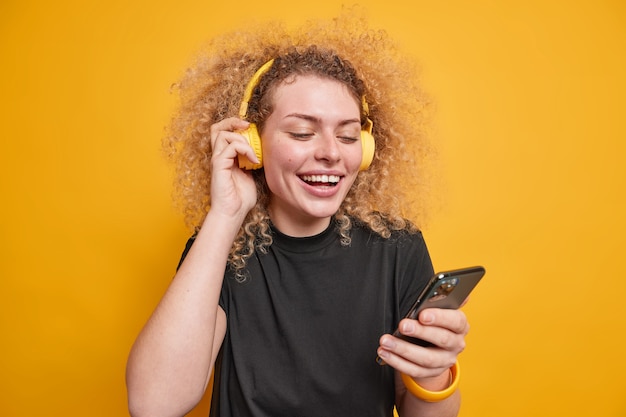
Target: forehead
<point x="299" y="90"/>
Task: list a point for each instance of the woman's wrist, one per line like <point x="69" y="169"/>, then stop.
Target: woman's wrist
<point x="427" y="395"/>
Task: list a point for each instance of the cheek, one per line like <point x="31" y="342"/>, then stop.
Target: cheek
<point x="281" y="157"/>
<point x="356" y="156"/>
<point x="278" y="166"/>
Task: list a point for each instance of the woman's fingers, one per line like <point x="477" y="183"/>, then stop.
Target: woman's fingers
<point x="411" y="359"/>
<point x="224" y="132"/>
<point x="445" y="330"/>
<point x="227" y="142"/>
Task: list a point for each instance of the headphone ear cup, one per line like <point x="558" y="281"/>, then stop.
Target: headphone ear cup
<point x="254" y="139"/>
<point x="368" y="145"/>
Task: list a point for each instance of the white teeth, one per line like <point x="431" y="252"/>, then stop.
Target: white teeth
<point x="321" y="178"/>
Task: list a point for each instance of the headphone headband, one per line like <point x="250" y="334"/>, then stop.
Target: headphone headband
<point x="247" y="94"/>
<point x="254" y="81"/>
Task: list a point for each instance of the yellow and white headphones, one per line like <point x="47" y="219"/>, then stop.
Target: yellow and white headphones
<point x="254" y="139"/>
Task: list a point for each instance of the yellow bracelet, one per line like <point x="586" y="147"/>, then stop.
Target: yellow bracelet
<point x="433" y="396"/>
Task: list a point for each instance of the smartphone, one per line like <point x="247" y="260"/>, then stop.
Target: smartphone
<point x="447" y="289"/>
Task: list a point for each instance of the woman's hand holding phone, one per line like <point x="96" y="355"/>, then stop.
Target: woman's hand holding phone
<point x="432" y="334"/>
<point x="441" y="333"/>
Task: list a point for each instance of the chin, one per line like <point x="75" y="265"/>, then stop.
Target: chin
<point x="323" y="212"/>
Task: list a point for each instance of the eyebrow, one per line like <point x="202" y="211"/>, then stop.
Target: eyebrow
<point x="314" y="119"/>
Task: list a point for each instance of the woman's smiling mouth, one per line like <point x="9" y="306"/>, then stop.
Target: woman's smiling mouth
<point x="321" y="180"/>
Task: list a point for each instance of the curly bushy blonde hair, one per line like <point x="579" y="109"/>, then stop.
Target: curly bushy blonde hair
<point x="383" y="197"/>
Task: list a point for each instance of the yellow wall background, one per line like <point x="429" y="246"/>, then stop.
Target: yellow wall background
<point x="531" y="132"/>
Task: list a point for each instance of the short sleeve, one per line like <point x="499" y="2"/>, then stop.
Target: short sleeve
<point x="186" y="250"/>
<point x="418" y="269"/>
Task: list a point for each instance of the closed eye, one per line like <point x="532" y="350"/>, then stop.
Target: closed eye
<point x="301" y="136"/>
<point x="348" y="139"/>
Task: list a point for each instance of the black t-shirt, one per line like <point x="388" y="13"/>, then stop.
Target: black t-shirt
<point x="304" y="327"/>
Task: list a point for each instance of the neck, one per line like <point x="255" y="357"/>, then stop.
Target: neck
<point x="303" y="227"/>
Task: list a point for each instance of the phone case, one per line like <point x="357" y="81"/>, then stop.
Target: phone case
<point x="447" y="289"/>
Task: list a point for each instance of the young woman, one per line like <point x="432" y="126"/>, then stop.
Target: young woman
<point x="300" y="268"/>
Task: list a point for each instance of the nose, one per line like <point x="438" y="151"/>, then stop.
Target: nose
<point x="327" y="148"/>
